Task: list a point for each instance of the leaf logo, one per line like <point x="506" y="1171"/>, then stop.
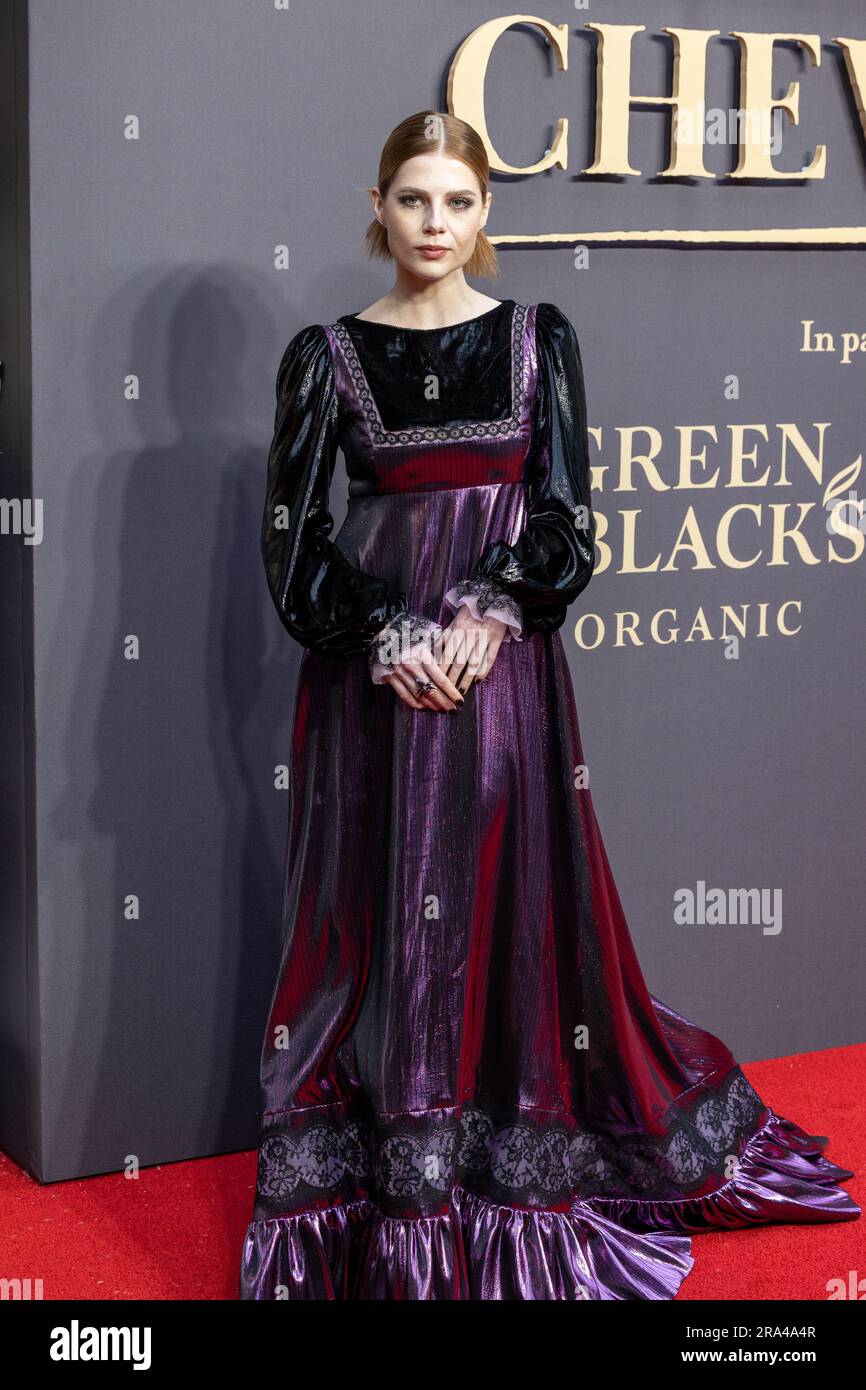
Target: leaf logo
<point x="845" y="479"/>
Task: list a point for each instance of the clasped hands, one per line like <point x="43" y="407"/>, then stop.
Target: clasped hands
<point x="442" y="665"/>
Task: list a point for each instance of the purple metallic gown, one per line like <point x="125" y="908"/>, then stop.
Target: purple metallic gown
<point x="467" y="1091"/>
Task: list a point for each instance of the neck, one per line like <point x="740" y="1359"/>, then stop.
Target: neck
<point x="420" y="303"/>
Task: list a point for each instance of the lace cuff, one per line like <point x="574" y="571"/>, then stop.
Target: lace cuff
<point x="404" y="637"/>
<point x="485" y="599"/>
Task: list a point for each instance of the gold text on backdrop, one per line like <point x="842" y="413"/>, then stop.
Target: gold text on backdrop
<point x="615" y="99"/>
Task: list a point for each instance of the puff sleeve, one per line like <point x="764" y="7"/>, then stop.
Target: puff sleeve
<point x="322" y="599"/>
<point x="552" y="560"/>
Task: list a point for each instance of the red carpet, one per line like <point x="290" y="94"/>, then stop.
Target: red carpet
<point x="176" y="1231"/>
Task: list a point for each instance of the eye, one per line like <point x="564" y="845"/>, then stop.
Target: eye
<point x="409" y="199"/>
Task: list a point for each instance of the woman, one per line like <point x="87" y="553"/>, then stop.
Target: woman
<point x="467" y="1090"/>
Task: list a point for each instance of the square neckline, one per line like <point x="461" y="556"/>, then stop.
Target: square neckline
<point x="438" y="434"/>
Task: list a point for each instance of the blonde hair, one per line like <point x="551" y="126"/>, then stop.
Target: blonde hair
<point x="440" y="133"/>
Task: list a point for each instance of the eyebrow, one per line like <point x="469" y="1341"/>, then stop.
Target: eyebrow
<point x="452" y="192"/>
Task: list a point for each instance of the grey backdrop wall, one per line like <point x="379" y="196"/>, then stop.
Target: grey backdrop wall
<point x="160" y="680"/>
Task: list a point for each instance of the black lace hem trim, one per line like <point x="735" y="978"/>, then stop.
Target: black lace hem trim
<point x="517" y="1156"/>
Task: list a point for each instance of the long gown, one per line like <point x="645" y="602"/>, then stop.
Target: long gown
<point x="467" y="1091"/>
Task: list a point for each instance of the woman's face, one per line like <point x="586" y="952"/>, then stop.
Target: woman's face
<point x="433" y="201"/>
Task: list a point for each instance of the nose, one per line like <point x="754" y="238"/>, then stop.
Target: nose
<point x="434" y="222"/>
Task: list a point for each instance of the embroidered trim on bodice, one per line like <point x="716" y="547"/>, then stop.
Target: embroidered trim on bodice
<point x="475" y="429"/>
<point x="520" y="1159"/>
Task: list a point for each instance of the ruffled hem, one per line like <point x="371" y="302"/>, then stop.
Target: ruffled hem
<point x="601" y="1248"/>
<point x="475" y="1250"/>
<point x="782" y="1177"/>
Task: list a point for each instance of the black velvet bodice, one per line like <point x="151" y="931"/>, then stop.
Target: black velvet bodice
<point x="470" y="360"/>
